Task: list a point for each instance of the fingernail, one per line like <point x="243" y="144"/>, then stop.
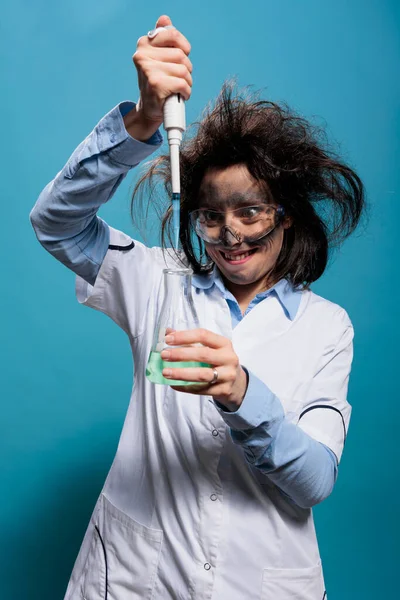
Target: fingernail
<point x="169" y="339"/>
<point x="165" y="354"/>
<point x="153" y="32"/>
<point x="167" y="372"/>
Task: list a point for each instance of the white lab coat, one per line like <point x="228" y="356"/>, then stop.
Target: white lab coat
<point x="182" y="515"/>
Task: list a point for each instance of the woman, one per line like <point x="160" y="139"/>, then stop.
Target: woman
<point x="211" y="491"/>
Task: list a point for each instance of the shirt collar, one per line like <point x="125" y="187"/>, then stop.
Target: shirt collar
<point x="288" y="296"/>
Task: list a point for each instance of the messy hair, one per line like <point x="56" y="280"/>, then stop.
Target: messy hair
<point x="323" y="196"/>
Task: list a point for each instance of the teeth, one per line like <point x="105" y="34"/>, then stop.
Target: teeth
<point x="237" y="256"/>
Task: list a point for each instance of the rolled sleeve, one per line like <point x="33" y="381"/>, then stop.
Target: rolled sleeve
<point x="64" y="217"/>
<point x="325" y="415"/>
<point x="300" y="466"/>
<point x="123" y="148"/>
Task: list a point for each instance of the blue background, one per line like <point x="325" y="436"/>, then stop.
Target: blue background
<point x="67" y="371"/>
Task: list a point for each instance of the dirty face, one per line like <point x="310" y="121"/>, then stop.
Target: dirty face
<point x="240" y="263"/>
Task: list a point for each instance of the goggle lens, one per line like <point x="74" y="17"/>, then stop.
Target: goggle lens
<point x="248" y="223"/>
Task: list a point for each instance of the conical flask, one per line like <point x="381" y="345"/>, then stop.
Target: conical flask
<point x="178" y="313"/>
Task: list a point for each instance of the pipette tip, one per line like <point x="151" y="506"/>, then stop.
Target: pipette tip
<point x="176" y="206"/>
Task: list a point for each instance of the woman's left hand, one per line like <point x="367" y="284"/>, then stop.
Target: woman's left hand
<point x="216" y="350"/>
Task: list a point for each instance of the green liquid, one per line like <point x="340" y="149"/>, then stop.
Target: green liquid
<point x="156" y="365"/>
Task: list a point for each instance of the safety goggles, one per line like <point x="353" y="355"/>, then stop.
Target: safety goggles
<point x="245" y="224"/>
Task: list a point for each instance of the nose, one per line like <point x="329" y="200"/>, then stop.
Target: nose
<point x="229" y="237"/>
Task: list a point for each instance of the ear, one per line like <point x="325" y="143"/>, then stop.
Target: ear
<point x="287" y="222"/>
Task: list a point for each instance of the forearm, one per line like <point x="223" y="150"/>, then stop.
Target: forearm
<point x="64" y="216"/>
<point x="303" y="468"/>
<point x="300" y="466"/>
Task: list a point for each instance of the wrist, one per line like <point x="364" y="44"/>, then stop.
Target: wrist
<point x="244" y="382"/>
<point x="233" y="404"/>
<point x="139" y="126"/>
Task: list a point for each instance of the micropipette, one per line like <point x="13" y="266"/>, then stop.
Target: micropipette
<point x="174" y="125"/>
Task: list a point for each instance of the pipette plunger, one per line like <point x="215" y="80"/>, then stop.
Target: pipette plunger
<point x="174" y="125"/>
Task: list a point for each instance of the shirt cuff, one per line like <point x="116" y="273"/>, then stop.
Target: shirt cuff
<point x="156" y="139"/>
<point x="260" y="405"/>
<point x="122" y="148"/>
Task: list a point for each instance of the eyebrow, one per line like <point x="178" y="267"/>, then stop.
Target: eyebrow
<point x="237" y="199"/>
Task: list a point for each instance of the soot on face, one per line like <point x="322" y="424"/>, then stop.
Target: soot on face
<point x="222" y="196"/>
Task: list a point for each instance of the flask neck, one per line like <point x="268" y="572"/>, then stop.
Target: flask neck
<point x="178" y="284"/>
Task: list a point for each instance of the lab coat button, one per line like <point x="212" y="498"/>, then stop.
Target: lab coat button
<point x="213" y="497"/>
<point x="215" y="432"/>
<point x="207" y="566"/>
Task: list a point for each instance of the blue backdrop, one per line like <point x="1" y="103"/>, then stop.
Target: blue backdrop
<point x="67" y="371"/>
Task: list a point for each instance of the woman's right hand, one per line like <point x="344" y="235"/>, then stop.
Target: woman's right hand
<point x="163" y="69"/>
